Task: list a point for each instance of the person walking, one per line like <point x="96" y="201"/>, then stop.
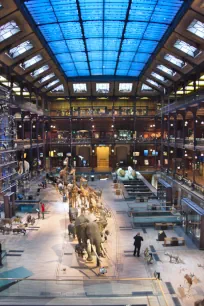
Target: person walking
<point x="43" y="210"/>
<point x="138" y="239"/>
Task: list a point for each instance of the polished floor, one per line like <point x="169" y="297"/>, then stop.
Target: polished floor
<point x="53" y="274"/>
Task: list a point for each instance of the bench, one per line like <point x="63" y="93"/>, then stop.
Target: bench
<point x="174" y="241"/>
<point x="164" y="225"/>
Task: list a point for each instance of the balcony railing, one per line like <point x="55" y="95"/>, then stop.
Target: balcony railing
<point x="60" y="141"/>
<point x="187" y="101"/>
<point x="23" y="144"/>
<point x="103" y="112"/>
<point x="200" y="141"/>
<point x="189" y="141"/>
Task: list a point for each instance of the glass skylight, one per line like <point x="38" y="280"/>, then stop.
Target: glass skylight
<point x="80" y="88"/>
<point x="31" y="61"/>
<point x="174" y="60"/>
<point x="125" y="87"/>
<point x="115" y="44"/>
<point x="186" y="48"/>
<point x="102" y="87"/>
<point x="52" y="83"/>
<point x="166" y="70"/>
<point x="146" y="88"/>
<point x="46" y="78"/>
<point x="153" y="82"/>
<point x="59" y="88"/>
<point x="158" y="76"/>
<point x="8" y="29"/>
<point x="196" y="27"/>
<point x="20" y="49"/>
<point x="38" y="71"/>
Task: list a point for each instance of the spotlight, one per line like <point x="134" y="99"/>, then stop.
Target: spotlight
<point x="93" y="126"/>
<point x="93" y="151"/>
<point x="34" y="126"/>
<point x="112" y="150"/>
<point x="20" y="126"/>
<point x="112" y="126"/>
<point x="172" y="124"/>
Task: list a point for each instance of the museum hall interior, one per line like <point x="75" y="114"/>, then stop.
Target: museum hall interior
<point x="102" y="152"/>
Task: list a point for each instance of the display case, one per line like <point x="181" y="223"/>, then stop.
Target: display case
<point x="8" y="159"/>
<point x="193" y="221"/>
<point x="164" y="193"/>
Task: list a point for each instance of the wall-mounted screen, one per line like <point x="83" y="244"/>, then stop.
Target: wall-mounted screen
<point x="41" y="154"/>
<point x="136" y="153"/>
<point x="69" y="154"/>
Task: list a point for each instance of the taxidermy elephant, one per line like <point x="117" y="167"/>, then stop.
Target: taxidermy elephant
<point x="73" y="213"/>
<point x="89" y="235"/>
<point x="72" y="230"/>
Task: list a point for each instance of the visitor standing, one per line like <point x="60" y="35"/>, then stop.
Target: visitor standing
<point x="138" y="239"/>
<point x="43" y="210"/>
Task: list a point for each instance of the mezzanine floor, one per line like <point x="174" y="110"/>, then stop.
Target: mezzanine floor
<point x="54" y="275"/>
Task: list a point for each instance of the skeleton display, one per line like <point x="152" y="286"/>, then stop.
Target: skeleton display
<point x="26" y="167"/>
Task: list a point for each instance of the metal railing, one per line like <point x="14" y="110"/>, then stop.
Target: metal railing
<point x="103" y="113"/>
<point x="187" y="101"/>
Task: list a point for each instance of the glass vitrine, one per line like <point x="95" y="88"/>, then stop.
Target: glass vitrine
<point x="193" y="221"/>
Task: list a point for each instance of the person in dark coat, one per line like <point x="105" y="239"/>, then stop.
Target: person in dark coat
<point x="138" y="239"/>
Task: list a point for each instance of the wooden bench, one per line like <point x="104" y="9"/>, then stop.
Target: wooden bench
<point x="174" y="239"/>
<point x="164" y="224"/>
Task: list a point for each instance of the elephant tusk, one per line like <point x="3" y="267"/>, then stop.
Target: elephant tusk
<point x="95" y="252"/>
<point x="105" y="251"/>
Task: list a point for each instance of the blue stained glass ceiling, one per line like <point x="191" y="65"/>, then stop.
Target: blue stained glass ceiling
<point x="103" y="37"/>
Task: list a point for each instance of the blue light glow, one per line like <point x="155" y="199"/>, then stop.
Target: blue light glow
<point x="103" y="37"/>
